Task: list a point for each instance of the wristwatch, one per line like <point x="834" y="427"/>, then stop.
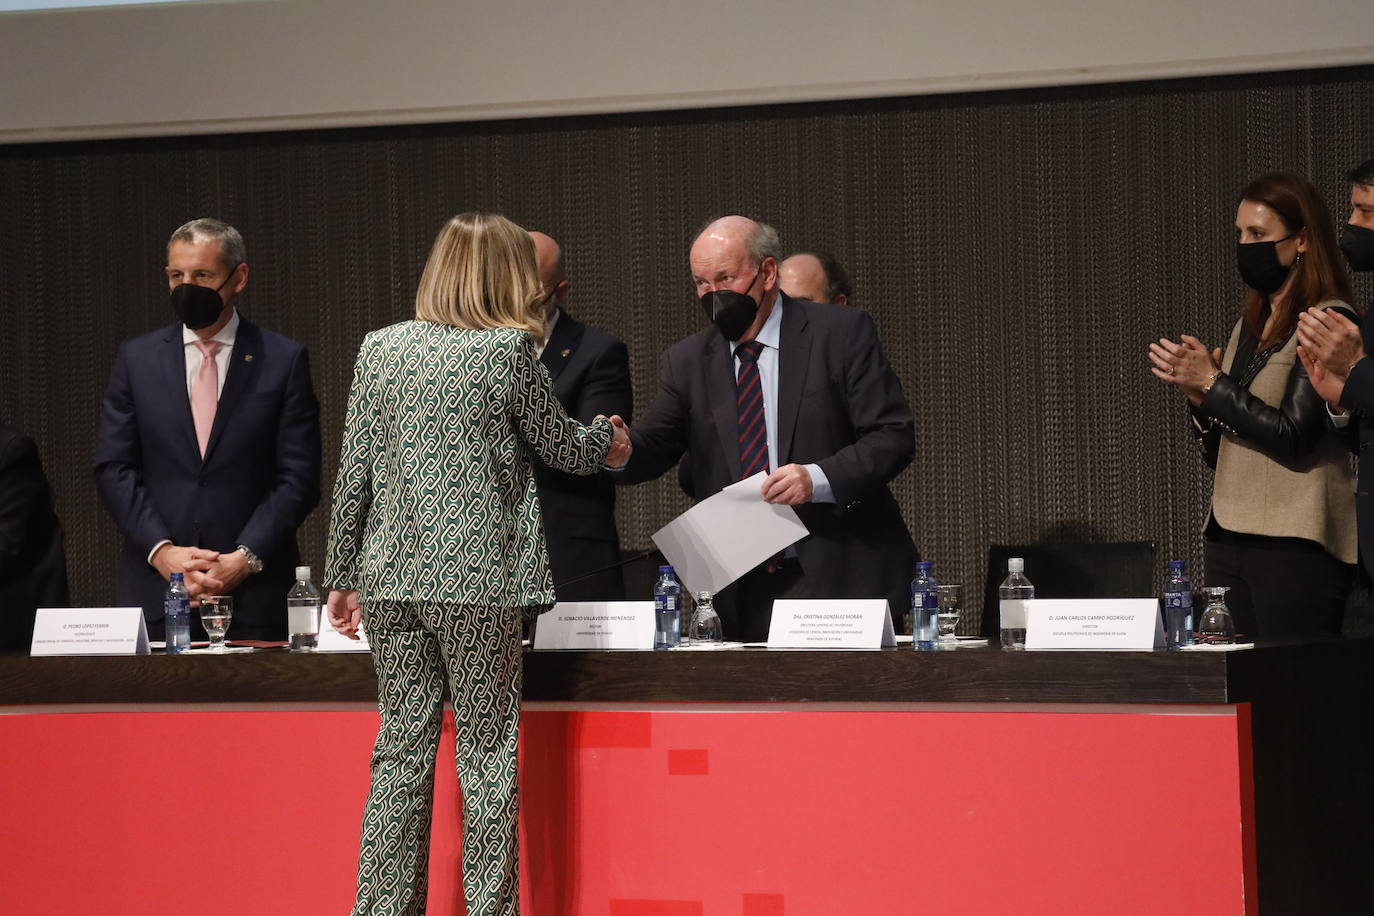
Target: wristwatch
<point x="254" y="564"/>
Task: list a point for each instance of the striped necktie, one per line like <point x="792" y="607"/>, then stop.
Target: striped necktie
<point x="753" y="431"/>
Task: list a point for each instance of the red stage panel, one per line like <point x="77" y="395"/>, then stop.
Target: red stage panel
<point x="710" y="813"/>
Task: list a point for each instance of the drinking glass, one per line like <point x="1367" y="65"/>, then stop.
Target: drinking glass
<point x="215" y="613"/>
<point x="705" y="627"/>
<point x="1217" y="625"/>
<point x="947" y="617"/>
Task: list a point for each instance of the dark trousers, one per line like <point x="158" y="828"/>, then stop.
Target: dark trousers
<point x="746" y="618"/>
<point x="1359" y="607"/>
<point x="1279" y="586"/>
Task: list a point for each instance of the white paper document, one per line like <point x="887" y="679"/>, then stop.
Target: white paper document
<point x="720" y="539"/>
<point x="331" y="640"/>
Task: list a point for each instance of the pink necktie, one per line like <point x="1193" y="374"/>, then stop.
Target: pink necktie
<point x="205" y="392"/>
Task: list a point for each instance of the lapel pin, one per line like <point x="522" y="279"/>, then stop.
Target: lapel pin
<point x="565" y="353"/>
<point x="248" y="357"/>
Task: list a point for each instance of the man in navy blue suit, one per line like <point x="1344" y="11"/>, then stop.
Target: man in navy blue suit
<point x="591" y="375"/>
<point x="208" y="456"/>
<point x="1335" y="351"/>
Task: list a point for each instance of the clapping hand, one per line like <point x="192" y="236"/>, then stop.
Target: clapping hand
<point x="620" y="450"/>
<point x="1186" y="364"/>
<point x="1327" y="384"/>
<point x="345" y="614"/>
<point x="1329" y="345"/>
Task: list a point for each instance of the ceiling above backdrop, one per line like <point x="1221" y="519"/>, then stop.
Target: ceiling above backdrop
<point x="164" y="69"/>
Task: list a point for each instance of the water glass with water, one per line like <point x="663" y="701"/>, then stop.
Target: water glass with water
<point x="947" y="617"/>
<point x="216" y="611"/>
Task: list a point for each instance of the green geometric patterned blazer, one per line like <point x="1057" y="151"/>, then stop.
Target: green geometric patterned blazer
<point x="435" y="500"/>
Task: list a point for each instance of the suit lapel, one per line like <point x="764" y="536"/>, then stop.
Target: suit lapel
<point x="172" y="356"/>
<point x="243" y="367"/>
<point x="794" y="356"/>
<point x="720" y="394"/>
<point x="562" y="345"/>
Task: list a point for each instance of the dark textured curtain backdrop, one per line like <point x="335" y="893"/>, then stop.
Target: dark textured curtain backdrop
<point x="1018" y="250"/>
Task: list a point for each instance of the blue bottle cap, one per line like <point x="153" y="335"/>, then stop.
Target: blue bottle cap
<point x="1177" y="564"/>
<point x="665" y="570"/>
<point x="924" y="566"/>
<point x="176" y="577"/>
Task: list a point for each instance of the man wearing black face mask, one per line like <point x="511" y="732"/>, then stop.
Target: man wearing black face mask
<point x="208" y="455"/>
<point x="1334" y="350"/>
<point x="731" y="398"/>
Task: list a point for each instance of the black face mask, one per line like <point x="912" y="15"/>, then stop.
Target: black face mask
<point x="1357" y="244"/>
<point x="1258" y="263"/>
<point x="199" y="306"/>
<point x="730" y="311"/>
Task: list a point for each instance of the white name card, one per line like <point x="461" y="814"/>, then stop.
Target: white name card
<point x="596" y="625"/>
<point x="1093" y="623"/>
<point x="830" y="623"/>
<point x="331" y="640"/>
<point x="89" y="631"/>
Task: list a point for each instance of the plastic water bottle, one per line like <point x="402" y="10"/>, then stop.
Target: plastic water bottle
<point x="176" y="615"/>
<point x="1013" y="594"/>
<point x="1178" y="606"/>
<point x="667" y="610"/>
<point x="925" y="608"/>
<point x="303" y="613"/>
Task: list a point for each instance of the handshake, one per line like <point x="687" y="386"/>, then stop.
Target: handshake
<point x="621" y="448"/>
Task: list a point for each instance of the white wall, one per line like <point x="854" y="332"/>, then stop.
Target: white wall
<point x="273" y="64"/>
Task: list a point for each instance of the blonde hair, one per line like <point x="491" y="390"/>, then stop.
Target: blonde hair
<point x="482" y="273"/>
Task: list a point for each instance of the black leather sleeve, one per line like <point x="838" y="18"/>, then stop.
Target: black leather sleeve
<point x="1288" y="431"/>
<point x="1205" y="434"/>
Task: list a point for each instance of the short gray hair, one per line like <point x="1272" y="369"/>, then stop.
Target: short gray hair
<point x="763" y="243"/>
<point x="231" y="249"/>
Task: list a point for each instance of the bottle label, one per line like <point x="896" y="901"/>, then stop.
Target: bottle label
<point x="925" y="598"/>
<point x="303" y="620"/>
<point x="1178" y="599"/>
<point x="665" y="603"/>
<point x="1013" y="613"/>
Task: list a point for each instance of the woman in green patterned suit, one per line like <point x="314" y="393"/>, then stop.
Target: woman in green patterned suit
<point x="436" y="545"/>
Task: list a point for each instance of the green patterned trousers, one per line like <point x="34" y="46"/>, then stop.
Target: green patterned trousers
<point x="416" y="649"/>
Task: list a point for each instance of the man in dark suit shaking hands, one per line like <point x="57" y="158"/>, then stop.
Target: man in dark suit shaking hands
<point x="802" y="391"/>
<point x="208" y="455"/>
<point x="591" y="377"/>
